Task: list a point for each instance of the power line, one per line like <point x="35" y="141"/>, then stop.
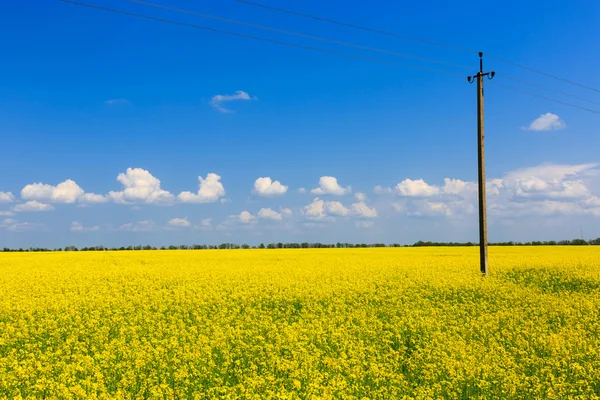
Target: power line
<point x="413" y="39"/>
<point x="302" y="35"/>
<point x="362" y="28"/>
<point x="543" y="73"/>
<point x="231" y="33"/>
<point x="548" y="89"/>
<point x="544" y="97"/>
<point x="299" y="46"/>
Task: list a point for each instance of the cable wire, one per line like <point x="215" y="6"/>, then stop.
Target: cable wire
<point x="362" y="28"/>
<point x="543" y="73"/>
<point x="544" y="97"/>
<point x="302" y="35"/>
<point x="546" y="88"/>
<point x="413" y="39"/>
<point x="231" y="33"/>
<point x="236" y="34"/>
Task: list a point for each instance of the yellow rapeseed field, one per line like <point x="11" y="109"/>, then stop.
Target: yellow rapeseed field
<point x="301" y="324"/>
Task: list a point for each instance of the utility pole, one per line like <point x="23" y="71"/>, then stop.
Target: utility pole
<point x="483" y="242"/>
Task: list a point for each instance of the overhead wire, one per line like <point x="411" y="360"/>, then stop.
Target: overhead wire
<point x="543" y="97"/>
<point x="301" y="35"/>
<point x="354" y="26"/>
<point x="536" y="71"/>
<point x="512" y="78"/>
<point x="304" y="47"/>
<point x="413" y="39"/>
<point x="280" y="42"/>
<point x="347" y="44"/>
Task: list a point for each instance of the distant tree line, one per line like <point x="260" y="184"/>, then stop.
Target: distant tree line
<point x="306" y="245"/>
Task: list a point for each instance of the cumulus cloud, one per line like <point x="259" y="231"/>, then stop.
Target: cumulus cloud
<point x="302" y="190"/>
<point x="360" y="196"/>
<point x="268" y="213"/>
<point x="546" y="122"/>
<point x="416" y="188"/>
<point x="6" y="197"/>
<point x="316" y="211"/>
<point x="267" y="188"/>
<point x="364" y="224"/>
<point x="361" y="210"/>
<point x="67" y="192"/>
<point x="246" y="218"/>
<point x="425" y="208"/>
<point x="551" y="181"/>
<point x="210" y="191"/>
<point x="32" y="206"/>
<point x="243" y="218"/>
<point x="330" y="185"/>
<point x="179" y="223"/>
<point x="543" y="190"/>
<point x="13" y="225"/>
<point x="79" y="227"/>
<point x="217" y="101"/>
<point x="336" y="208"/>
<point x="140" y="226"/>
<point x="320" y="210"/>
<point x="206" y="223"/>
<point x="92" y="198"/>
<point x="140" y="186"/>
<point x="382" y="190"/>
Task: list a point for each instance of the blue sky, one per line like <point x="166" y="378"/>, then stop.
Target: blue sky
<point x="87" y="95"/>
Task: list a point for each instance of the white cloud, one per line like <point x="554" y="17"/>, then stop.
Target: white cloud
<point x="6" y="197"/>
<point x="140" y="226"/>
<point x="315" y="211"/>
<point x="361" y="210"/>
<point x="286" y="212"/>
<point x="320" y="210"/>
<point x="550" y="181"/>
<point x="210" y="191"/>
<point x="32" y="206"/>
<point x="268" y="213"/>
<point x="330" y="185"/>
<point x="92" y="198"/>
<point x="382" y="190"/>
<point x="336" y="208"/>
<point x="206" y="223"/>
<point x="302" y="190"/>
<point x="416" y="188"/>
<point x="140" y="186"/>
<point x="267" y="188"/>
<point x="179" y="223"/>
<point x="546" y="122"/>
<point x="217" y="101"/>
<point x="458" y="187"/>
<point x="364" y="224"/>
<point x="246" y="218"/>
<point x="115" y="102"/>
<point x="427" y="208"/>
<point x="360" y="196"/>
<point x="399" y="206"/>
<point x="6" y="213"/>
<point x="66" y="192"/>
<point x="79" y="227"/>
<point x="5" y="223"/>
<point x="13" y="225"/>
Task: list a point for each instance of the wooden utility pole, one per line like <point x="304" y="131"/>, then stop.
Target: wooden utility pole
<point x="483" y="242"/>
